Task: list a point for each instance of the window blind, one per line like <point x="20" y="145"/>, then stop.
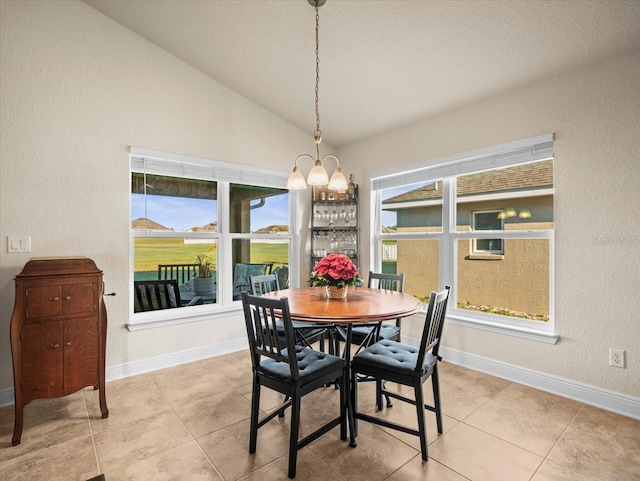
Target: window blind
<point x="177" y="165"/>
<point x="504" y="155"/>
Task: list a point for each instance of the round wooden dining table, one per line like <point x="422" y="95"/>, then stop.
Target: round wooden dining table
<point x="362" y="305"/>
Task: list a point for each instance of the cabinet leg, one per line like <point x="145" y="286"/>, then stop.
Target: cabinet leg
<point x="17" y="425"/>
<point x="103" y="403"/>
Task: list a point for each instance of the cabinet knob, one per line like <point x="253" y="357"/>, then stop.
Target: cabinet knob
<point x="68" y="343"/>
<point x="55" y="298"/>
<point x="56" y="345"/>
<point x="68" y="298"/>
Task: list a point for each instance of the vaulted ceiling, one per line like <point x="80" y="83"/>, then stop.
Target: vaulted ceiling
<point x="383" y="63"/>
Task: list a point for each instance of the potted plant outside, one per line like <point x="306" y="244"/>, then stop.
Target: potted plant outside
<point x="204" y="282"/>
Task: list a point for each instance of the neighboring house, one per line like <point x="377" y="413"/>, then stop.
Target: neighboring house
<point x="496" y="272"/>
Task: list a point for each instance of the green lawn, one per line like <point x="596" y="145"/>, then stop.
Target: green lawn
<point x="148" y="253"/>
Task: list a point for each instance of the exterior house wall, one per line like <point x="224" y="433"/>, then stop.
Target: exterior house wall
<point x="518" y="280"/>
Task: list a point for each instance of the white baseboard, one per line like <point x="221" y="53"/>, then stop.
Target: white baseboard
<point x="155" y="363"/>
<point x="6" y="397"/>
<point x="174" y="359"/>
<point x="585" y="393"/>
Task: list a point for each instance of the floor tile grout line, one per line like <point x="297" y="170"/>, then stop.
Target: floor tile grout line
<point x="93" y="439"/>
<point x="172" y="407"/>
<point x="210" y="461"/>
<point x="546" y="458"/>
<point x="43" y="448"/>
<point x="231" y="387"/>
<point x="499" y="438"/>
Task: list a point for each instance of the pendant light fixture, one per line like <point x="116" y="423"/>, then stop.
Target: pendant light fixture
<point x="318" y="175"/>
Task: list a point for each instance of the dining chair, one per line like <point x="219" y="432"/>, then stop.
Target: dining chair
<point x="289" y="369"/>
<point x="306" y="332"/>
<point x="158" y="294"/>
<point x="365" y="335"/>
<point x="407" y="365"/>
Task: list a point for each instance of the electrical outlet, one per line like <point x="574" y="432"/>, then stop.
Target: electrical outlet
<point x="616" y="357"/>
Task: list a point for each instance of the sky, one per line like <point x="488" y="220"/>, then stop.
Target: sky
<point x="182" y="214"/>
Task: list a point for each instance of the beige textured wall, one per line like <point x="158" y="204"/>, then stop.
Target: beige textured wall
<point x="594" y="114"/>
<point x="77" y="90"/>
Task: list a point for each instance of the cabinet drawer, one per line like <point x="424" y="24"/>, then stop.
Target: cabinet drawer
<point x="77" y="298"/>
<point x="46" y="301"/>
<point x="42" y="358"/>
<point x="43" y="301"/>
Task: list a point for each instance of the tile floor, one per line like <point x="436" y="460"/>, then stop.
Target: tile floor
<point x="190" y="423"/>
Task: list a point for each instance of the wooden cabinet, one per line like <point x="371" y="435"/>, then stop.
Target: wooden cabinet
<point x="58" y="332"/>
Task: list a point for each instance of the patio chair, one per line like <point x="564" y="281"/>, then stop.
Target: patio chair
<point x="160" y="294"/>
<point x="409" y="366"/>
<point x="241" y="273"/>
<point x="289" y="369"/>
<point x="180" y="272"/>
<point x="283" y="276"/>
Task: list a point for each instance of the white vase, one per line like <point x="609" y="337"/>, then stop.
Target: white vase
<point x="202" y="285"/>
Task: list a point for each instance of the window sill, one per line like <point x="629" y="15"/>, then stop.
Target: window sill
<point x="169" y="317"/>
<point x="523" y="329"/>
<point x="485" y="257"/>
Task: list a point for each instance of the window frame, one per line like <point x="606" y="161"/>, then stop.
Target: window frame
<point x="449" y="169"/>
<point x="225" y="174"/>
<point x="474" y="244"/>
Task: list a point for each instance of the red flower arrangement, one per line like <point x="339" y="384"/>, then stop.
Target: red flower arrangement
<point x="335" y="270"/>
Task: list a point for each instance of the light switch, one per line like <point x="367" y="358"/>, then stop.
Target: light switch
<point x="18" y="244"/>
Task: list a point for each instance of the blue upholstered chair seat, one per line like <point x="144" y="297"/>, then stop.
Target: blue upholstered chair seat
<point x="312" y="364"/>
<point x="394" y="357"/>
<point x="387" y="331"/>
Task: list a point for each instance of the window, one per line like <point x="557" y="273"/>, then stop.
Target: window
<point x="184" y="209"/>
<point x="487" y="220"/>
<point x="447" y="222"/>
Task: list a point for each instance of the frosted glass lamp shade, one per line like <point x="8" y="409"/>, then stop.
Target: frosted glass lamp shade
<point x="338" y="180"/>
<point x="296" y="180"/>
<point x="318" y="175"/>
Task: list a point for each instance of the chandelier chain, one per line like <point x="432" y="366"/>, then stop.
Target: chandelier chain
<point x="317" y="66"/>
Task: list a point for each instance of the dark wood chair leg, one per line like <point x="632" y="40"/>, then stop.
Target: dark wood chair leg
<point x="436" y="398"/>
<point x="293" y="437"/>
<point x="422" y="427"/>
<point x="255" y="410"/>
<point x="379" y="394"/>
<point x="344" y="385"/>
